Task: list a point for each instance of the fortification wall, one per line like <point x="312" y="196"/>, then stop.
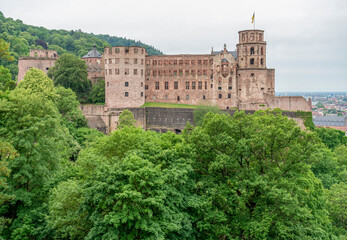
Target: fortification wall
<point x="292" y="103"/>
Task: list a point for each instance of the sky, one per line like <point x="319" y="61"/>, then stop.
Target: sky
<point x="306" y="39"/>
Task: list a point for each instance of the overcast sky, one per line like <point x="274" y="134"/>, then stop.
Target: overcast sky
<point x="306" y="39"/>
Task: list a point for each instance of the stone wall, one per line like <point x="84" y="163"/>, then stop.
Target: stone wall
<point x="292" y="103"/>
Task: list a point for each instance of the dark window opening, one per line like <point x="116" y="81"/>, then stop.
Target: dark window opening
<point x="126" y="94"/>
<point x="229" y="95"/>
<point x="252" y="74"/>
<point x="178" y="98"/>
<point x="175" y="85"/>
<point x="219" y="95"/>
<point x="261" y="61"/>
<point x="204" y="97"/>
<point x="127" y="84"/>
<point x="252" y="50"/>
<point x="252" y="61"/>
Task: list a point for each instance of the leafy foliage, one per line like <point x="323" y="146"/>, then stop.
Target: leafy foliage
<point x="201" y="110"/>
<point x="126" y="119"/>
<point x="97" y="94"/>
<point x="71" y="72"/>
<point x="6" y="82"/>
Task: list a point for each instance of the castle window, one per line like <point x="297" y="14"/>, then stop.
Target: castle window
<point x="200" y="85"/>
<point x="154" y="73"/>
<point x="126" y="84"/>
<point x="219" y="95"/>
<point x="175" y="73"/>
<point x="230" y="87"/>
<point x="187" y="85"/>
<point x="141" y="72"/>
<point x="126" y="94"/>
<point x="193" y="62"/>
<point x="160" y="62"/>
<point x="205" y="62"/>
<point x="166" y="85"/>
<point x="153" y="97"/>
<point x="166" y="62"/>
<point x="205" y="84"/>
<point x="47" y="68"/>
<point x="261" y="61"/>
<point x="148" y="62"/>
<point x="135" y="71"/>
<point x="199" y="72"/>
<point x="187" y="72"/>
<point x="187" y="97"/>
<point x="126" y="50"/>
<point x="252" y="50"/>
<point x="262" y="89"/>
<point x="146" y="87"/>
<point x="116" y="60"/>
<point x="186" y="62"/>
<point x="142" y="61"/>
<point x="181" y="62"/>
<point x="205" y="72"/>
<point x="141" y="94"/>
<point x="203" y="97"/>
<point x="126" y="60"/>
<point x="192" y="72"/>
<point x="108" y="84"/>
<point x="110" y="61"/>
<point x="229" y="95"/>
<point x="110" y="71"/>
<point x="251" y="61"/>
<point x="199" y="62"/>
<point x="252" y="74"/>
<point x="175" y="62"/>
<point x="148" y="72"/>
<point x="156" y="85"/>
<point x="135" y="60"/>
<point x="126" y="71"/>
<point x="219" y="88"/>
<point x="211" y="76"/>
<point x="230" y="81"/>
<point x="141" y="84"/>
<point x="116" y="50"/>
<point x="178" y="98"/>
<point x="261" y="51"/>
<point x="193" y="85"/>
<point x="136" y="50"/>
<point x="142" y="51"/>
<point x="159" y="73"/>
<point x="211" y="61"/>
<point x="116" y="71"/>
<point x="176" y="85"/>
<point x="154" y="62"/>
<point x="211" y="85"/>
<point x="180" y="72"/>
<point x="110" y="51"/>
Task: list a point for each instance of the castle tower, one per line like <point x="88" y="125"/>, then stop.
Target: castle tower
<point x="255" y="82"/>
<point x="124" y="77"/>
<point x="95" y="65"/>
<point x="41" y="59"/>
<point x="251" y="49"/>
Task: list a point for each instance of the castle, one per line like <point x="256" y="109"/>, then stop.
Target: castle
<point x="229" y="79"/>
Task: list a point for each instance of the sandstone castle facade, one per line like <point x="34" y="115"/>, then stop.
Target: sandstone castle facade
<point x="229" y="79"/>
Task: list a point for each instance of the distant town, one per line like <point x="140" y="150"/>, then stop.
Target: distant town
<point x="329" y="109"/>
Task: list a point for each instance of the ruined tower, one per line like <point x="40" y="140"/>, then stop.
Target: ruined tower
<point x="255" y="81"/>
<point x="95" y="65"/>
<point x="124" y="77"/>
<point x="41" y="59"/>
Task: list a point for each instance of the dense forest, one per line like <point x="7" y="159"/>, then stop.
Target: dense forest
<point x="23" y="37"/>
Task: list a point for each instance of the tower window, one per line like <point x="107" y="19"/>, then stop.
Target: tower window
<point x="205" y="84"/>
<point x="187" y="85"/>
<point x="117" y="50"/>
<point x="108" y="84"/>
<point x="229" y="95"/>
<point x="141" y="94"/>
<point x="127" y="50"/>
<point x="176" y="85"/>
<point x="219" y="95"/>
<point x="252" y="74"/>
<point x="252" y="50"/>
<point x="126" y="71"/>
<point x="126" y="94"/>
<point x="135" y="60"/>
<point x="193" y="85"/>
<point x="261" y="61"/>
<point x="146" y="87"/>
<point x="203" y="97"/>
<point x="166" y="85"/>
<point x="261" y="51"/>
<point x="200" y="85"/>
<point x="126" y="84"/>
<point x="178" y="98"/>
<point x="252" y="61"/>
<point x="187" y="97"/>
<point x="156" y="85"/>
<point x="135" y="71"/>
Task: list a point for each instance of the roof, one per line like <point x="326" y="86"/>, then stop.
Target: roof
<point x="329" y="121"/>
<point x="234" y="53"/>
<point x="93" y="53"/>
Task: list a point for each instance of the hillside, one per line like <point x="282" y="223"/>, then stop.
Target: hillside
<point x="23" y="37"/>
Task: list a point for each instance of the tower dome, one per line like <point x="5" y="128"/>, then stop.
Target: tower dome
<point x="93" y="53"/>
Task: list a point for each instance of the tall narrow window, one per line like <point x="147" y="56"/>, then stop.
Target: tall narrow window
<point x="166" y="85"/>
<point x="252" y="50"/>
<point x="156" y="85"/>
<point x="261" y="51"/>
<point x="135" y="71"/>
<point x="187" y="97"/>
<point x="126" y="71"/>
<point x="176" y="85"/>
<point x="205" y="84"/>
<point x="193" y="85"/>
<point x="187" y="85"/>
<point x="252" y="61"/>
<point x="200" y="85"/>
<point x="126" y="84"/>
<point x="126" y="94"/>
<point x="261" y="61"/>
<point x="117" y="50"/>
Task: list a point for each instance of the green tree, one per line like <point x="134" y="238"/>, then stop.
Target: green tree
<point x="6" y="82"/>
<point x="71" y="72"/>
<point x="126" y="119"/>
<point x="254" y="178"/>
<point x="331" y="137"/>
<point x="97" y="94"/>
<point x="4" y="51"/>
<point x="201" y="110"/>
